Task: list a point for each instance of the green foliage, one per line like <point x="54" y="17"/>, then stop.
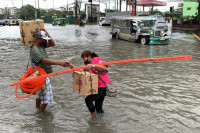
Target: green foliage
<point x="59" y="14"/>
<point x="82" y="13"/>
<point x="26" y="12"/>
<point x="110" y="10"/>
<point x="198" y="16"/>
<point x="156" y="11"/>
<point x="176" y="13"/>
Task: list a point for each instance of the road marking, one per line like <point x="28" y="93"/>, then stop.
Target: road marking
<point x="196" y="36"/>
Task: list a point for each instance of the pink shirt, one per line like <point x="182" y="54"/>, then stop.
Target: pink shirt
<point x="104" y="76"/>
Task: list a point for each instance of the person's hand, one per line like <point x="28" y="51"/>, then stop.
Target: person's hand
<point x="70" y="65"/>
<point x="44" y="29"/>
<point x="66" y="64"/>
<point x="88" y="67"/>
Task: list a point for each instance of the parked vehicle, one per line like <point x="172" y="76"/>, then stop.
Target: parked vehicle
<point x="144" y="29"/>
<point x="18" y="20"/>
<point x="102" y="20"/>
<point x="59" y="21"/>
<point x="105" y="21"/>
<point x="2" y="22"/>
<point x="12" y="22"/>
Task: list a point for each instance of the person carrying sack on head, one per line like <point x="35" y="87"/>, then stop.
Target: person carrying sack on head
<point x="91" y="60"/>
<point x="40" y="58"/>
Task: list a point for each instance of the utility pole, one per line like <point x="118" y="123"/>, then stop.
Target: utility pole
<point x="67" y="6"/>
<point x="99" y="10"/>
<point x="117" y="5"/>
<point x="126" y="4"/>
<point x="22" y="2"/>
<point x="53" y="4"/>
<point x="35" y="11"/>
<point x="135" y="7"/>
<point x="120" y="4"/>
<point x="109" y="4"/>
<point x="39" y="8"/>
<point x="76" y="12"/>
<point x="91" y="13"/>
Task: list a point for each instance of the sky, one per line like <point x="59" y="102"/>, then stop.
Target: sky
<point x="60" y="3"/>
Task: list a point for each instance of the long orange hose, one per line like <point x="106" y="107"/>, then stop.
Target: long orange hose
<point x="33" y="85"/>
<point x="37" y="79"/>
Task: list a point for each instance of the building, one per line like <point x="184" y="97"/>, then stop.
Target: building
<point x="94" y="14"/>
<point x="1" y="11"/>
<point x="190" y="8"/>
<point x="63" y="9"/>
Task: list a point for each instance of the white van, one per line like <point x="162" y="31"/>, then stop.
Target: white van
<point x="102" y="21"/>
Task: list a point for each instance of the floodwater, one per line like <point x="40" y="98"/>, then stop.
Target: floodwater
<point x="153" y="97"/>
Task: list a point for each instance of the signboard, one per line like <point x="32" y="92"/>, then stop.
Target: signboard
<point x="130" y="2"/>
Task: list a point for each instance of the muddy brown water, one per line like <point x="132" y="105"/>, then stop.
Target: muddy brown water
<point x="153" y="97"/>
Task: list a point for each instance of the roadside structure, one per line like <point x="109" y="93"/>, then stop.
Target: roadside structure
<point x="190" y="8"/>
<point x="150" y="3"/>
<point x="94" y="13"/>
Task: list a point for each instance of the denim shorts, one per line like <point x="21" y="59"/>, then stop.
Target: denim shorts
<point x="46" y="95"/>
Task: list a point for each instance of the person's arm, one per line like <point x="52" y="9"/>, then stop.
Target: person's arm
<point x="97" y="67"/>
<point x="51" y="42"/>
<point x="53" y="62"/>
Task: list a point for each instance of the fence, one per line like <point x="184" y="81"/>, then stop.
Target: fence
<point x="69" y="20"/>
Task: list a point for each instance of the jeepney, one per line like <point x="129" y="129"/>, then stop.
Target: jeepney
<point x="144" y="29"/>
<point x="59" y="21"/>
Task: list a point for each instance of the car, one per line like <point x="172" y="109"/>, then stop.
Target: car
<point x="2" y="22"/>
<point x="102" y="21"/>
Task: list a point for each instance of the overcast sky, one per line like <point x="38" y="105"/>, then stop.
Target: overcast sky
<point x="61" y="3"/>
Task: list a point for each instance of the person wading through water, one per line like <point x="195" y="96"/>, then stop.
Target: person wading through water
<point x="91" y="60"/>
<point x="40" y="58"/>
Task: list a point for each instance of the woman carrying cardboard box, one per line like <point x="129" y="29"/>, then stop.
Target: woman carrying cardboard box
<point x="91" y="61"/>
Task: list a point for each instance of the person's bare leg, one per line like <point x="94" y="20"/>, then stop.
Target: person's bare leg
<point x="43" y="107"/>
<point x="38" y="102"/>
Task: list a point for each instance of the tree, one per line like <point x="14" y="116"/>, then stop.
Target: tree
<point x="27" y="12"/>
<point x="198" y="15"/>
<point x="156" y="11"/>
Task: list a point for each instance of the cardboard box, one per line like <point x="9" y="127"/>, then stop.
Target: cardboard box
<point x="85" y="83"/>
<point x="28" y="29"/>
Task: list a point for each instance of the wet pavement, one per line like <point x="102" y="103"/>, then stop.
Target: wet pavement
<point x="153" y="97"/>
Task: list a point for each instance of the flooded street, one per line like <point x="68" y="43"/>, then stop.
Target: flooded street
<point x="154" y="97"/>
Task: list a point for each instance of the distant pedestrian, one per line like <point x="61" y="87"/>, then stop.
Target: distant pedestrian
<point x="40" y="58"/>
<point x="168" y="19"/>
<point x="91" y="60"/>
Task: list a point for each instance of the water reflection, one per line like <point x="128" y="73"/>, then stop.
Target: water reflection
<point x="78" y="33"/>
<point x="96" y="123"/>
<point x="151" y="51"/>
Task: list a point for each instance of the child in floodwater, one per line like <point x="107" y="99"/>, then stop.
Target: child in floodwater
<point x="91" y="60"/>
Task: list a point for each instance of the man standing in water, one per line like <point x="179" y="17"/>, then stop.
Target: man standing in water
<point x="39" y="56"/>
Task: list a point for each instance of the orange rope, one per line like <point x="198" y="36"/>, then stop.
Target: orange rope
<point x="43" y="76"/>
<point x="33" y="85"/>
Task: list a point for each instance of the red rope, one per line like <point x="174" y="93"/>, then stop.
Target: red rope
<point x="43" y="76"/>
<point x="32" y="85"/>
